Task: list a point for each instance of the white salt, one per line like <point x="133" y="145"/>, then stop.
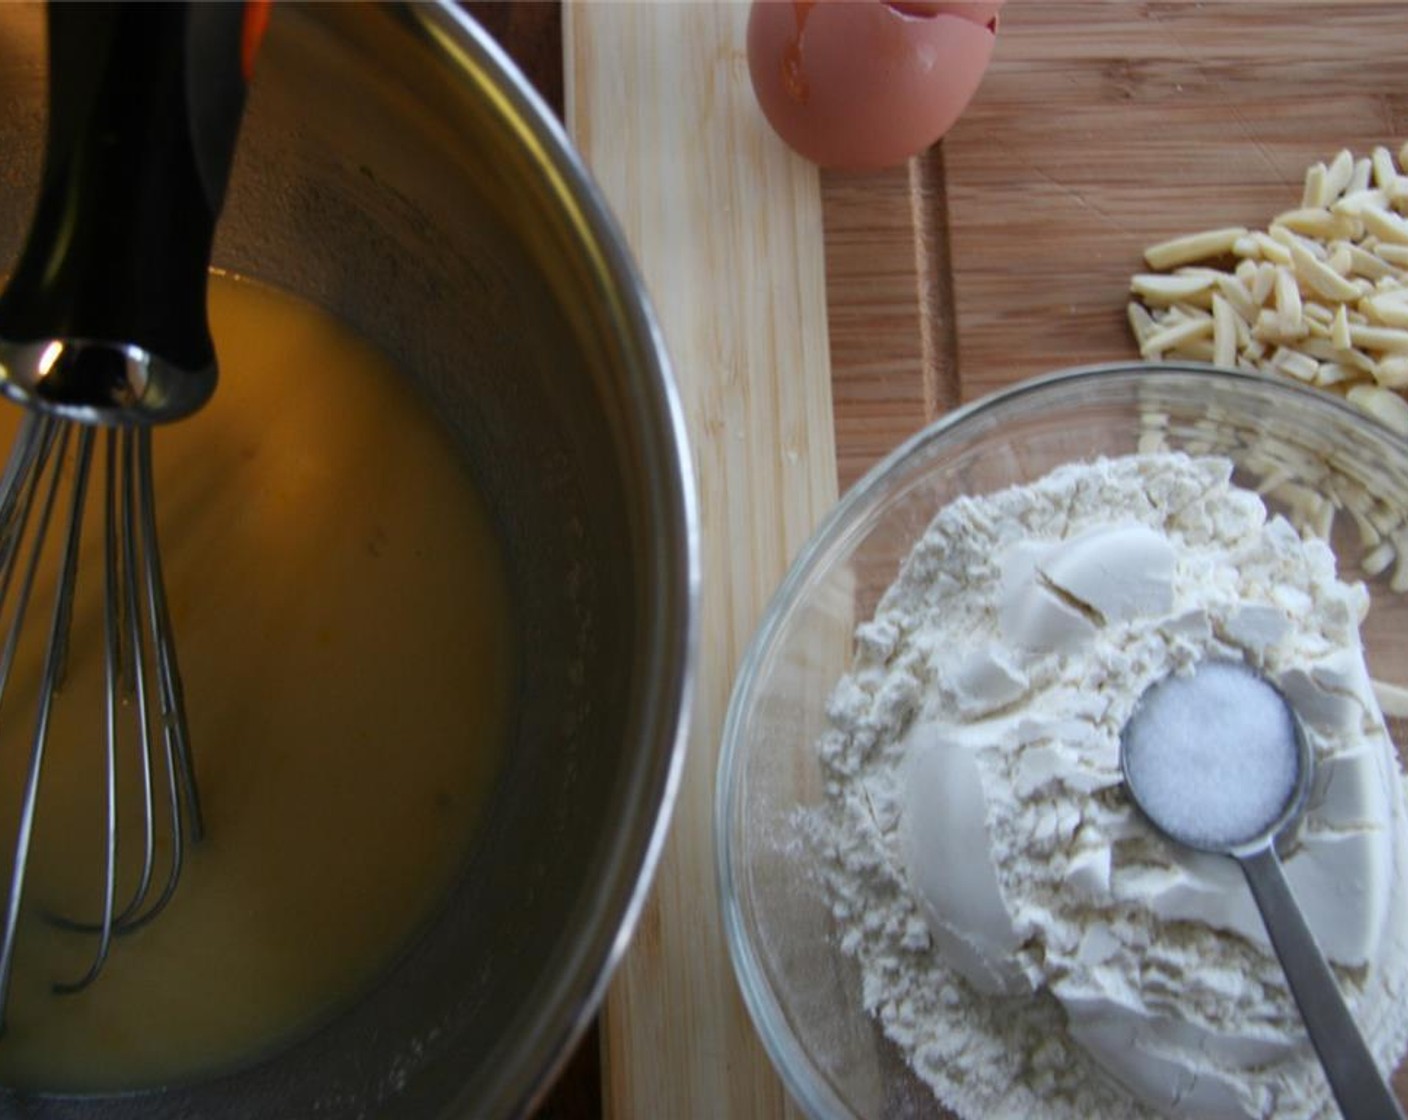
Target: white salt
<point x="1212" y="757"/>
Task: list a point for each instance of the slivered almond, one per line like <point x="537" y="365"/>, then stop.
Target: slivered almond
<point x="1320" y="276"/>
<point x="1364" y="263"/>
<point x="1383" y="404"/>
<point x="1315" y="222"/>
<point x="1284" y="235"/>
<point x="1263" y="283"/>
<point x="1168" y="338"/>
<point x="1197" y="350"/>
<point x="1321" y="348"/>
<point x="1377" y="560"/>
<point x="1360" y="361"/>
<point x="1289" y="308"/>
<point x="1141" y="323"/>
<point x="1381" y="309"/>
<point x="1316" y="192"/>
<point x="1384" y="171"/>
<point x="1317" y="312"/>
<point x="1224" y="332"/>
<point x="1271" y="249"/>
<point x="1337" y="174"/>
<point x="1236" y="293"/>
<point x="1351" y="205"/>
<point x="1385" y="225"/>
<point x="1193" y="247"/>
<point x="1331" y="374"/>
<point x="1393" y="372"/>
<point x="1339" y="329"/>
<point x="1271" y="327"/>
<point x="1300" y="366"/>
<point x="1359" y="177"/>
<point x="1168" y="289"/>
<point x="1388" y="339"/>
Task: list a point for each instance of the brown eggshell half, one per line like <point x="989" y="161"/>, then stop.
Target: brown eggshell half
<point x="860" y="84"/>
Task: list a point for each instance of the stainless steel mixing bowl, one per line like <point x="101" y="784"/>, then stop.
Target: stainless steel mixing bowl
<point x="395" y="170"/>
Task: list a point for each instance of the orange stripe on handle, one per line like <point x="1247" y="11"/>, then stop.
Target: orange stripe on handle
<point x="256" y="22"/>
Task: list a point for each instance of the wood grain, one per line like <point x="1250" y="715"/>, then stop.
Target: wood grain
<point x="726" y="226"/>
<point x="890" y="301"/>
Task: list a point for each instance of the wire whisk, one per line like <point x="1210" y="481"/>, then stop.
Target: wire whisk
<point x="51" y="469"/>
<point x="104" y="334"/>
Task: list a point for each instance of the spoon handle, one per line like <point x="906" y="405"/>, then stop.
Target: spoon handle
<point x="1360" y="1090"/>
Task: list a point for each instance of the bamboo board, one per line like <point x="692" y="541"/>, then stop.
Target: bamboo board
<point x="726" y="226"/>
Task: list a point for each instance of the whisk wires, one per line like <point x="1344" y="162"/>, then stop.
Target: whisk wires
<point x="143" y="723"/>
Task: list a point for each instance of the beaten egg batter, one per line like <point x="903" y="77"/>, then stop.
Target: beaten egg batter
<point x="340" y="614"/>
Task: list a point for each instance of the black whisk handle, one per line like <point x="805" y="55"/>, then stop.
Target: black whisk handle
<point x="145" y="102"/>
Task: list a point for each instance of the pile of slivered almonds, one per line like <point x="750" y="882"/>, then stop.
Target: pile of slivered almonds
<point x="1321" y="295"/>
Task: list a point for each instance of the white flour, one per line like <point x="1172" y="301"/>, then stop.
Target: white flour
<point x="1017" y="927"/>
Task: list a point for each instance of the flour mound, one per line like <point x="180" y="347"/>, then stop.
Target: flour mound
<point x="1071" y="963"/>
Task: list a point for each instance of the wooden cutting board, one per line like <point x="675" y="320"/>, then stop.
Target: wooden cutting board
<point x="1100" y="128"/>
<point x="726" y="226"/>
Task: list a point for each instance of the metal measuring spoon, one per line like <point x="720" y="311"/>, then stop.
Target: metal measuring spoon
<point x="1197" y="793"/>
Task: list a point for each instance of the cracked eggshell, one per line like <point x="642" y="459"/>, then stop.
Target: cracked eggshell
<point x="1118" y="571"/>
<point x="1160" y="1060"/>
<point x="947" y="850"/>
<point x="865" y="84"/>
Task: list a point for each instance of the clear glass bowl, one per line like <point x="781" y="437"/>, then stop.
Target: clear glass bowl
<point x="802" y="992"/>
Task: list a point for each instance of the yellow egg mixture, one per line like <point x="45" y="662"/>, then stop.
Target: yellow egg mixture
<point x="340" y="613"/>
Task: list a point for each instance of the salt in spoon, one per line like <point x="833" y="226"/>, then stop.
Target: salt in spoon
<point x="1216" y="760"/>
